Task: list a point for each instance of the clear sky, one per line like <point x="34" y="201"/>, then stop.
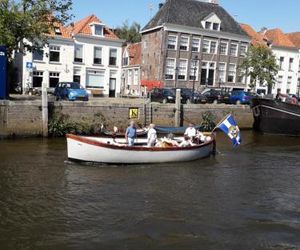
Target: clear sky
<point x="283" y="14"/>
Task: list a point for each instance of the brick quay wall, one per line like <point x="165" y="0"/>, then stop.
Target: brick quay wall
<point x="24" y="118"/>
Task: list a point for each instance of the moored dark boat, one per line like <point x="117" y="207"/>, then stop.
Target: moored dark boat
<point x="276" y="117"/>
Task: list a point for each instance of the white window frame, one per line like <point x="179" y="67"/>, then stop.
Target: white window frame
<point x="185" y="44"/>
<point x="171" y="44"/>
<point x="54" y="48"/>
<point x="230" y="73"/>
<point x="291" y="62"/>
<point x="216" y="47"/>
<point x="232" y="44"/>
<point x="170" y="69"/>
<point x="226" y="49"/>
<point x="194" y="64"/>
<point x="223" y="78"/>
<point x="98" y="47"/>
<point x="82" y="47"/>
<point x="198" y="42"/>
<point x="182" y="69"/>
<point x="243" y="52"/>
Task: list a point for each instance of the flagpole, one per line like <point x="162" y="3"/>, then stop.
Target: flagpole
<point x="220" y="122"/>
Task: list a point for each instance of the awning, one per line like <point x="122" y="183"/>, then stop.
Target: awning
<point x="150" y="84"/>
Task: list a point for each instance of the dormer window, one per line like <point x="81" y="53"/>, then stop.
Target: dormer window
<point x="97" y="29"/>
<point x="57" y="31"/>
<point x="212" y="22"/>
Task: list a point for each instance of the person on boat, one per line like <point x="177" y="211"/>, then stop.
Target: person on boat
<point x="190" y="131"/>
<point x="280" y="96"/>
<point x="130" y="134"/>
<point x="294" y="100"/>
<point x="186" y="142"/>
<point x="151" y="136"/>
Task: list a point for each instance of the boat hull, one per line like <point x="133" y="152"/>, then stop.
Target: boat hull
<point x="275" y="117"/>
<point x="94" y="150"/>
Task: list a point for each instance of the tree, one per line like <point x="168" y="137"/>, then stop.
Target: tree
<point x="130" y="34"/>
<point x="260" y="64"/>
<point x="26" y="24"/>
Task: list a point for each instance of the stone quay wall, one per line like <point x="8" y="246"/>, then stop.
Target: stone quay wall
<point x="24" y="118"/>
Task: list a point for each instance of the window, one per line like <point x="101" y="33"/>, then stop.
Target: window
<point x="76" y="75"/>
<point x="172" y="42"/>
<point x="196" y="44"/>
<point x="98" y="30"/>
<point x="53" y="79"/>
<point x="208" y="25"/>
<point x="184" y="43"/>
<point x="97" y="55"/>
<point x="233" y="49"/>
<point x="231" y="73"/>
<point x="182" y="69"/>
<point x="37" y="79"/>
<point x="57" y="31"/>
<point x="205" y="46"/>
<point x="216" y="26"/>
<point x="223" y="48"/>
<point x="113" y="57"/>
<point x="222" y="72"/>
<point x="291" y="64"/>
<point x="213" y="47"/>
<point x="38" y="55"/>
<point x="95" y="79"/>
<point x="54" y="53"/>
<point x="280" y="80"/>
<point x="170" y="69"/>
<point x="125" y="61"/>
<point x="209" y="47"/>
<point x="288" y="91"/>
<point x="78" y="55"/>
<point x="136" y="77"/>
<point x="207" y="73"/>
<point x="299" y="67"/>
<point x="281" y="61"/>
<point x="289" y="81"/>
<point x="194" y="69"/>
<point x="243" y="50"/>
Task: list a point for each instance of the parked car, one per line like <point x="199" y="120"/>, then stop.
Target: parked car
<point x="240" y="97"/>
<point x="163" y="95"/>
<point x="216" y="95"/>
<point x="187" y="96"/>
<point x="70" y="91"/>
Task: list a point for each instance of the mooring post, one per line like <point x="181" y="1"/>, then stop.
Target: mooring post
<point x="45" y="111"/>
<point x="178" y="108"/>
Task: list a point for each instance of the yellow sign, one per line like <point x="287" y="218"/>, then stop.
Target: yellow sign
<point x="133" y="113"/>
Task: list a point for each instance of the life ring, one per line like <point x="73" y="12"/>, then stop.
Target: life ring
<point x="256" y="111"/>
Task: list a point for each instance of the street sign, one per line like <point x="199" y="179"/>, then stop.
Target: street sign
<point x="133" y="113"/>
<point x="29" y="65"/>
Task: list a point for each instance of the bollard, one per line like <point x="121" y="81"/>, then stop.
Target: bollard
<point x="178" y="108"/>
<point x="45" y="112"/>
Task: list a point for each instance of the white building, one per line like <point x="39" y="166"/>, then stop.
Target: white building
<point x="86" y="52"/>
<point x="287" y="56"/>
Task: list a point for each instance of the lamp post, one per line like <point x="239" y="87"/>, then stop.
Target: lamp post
<point x="195" y="60"/>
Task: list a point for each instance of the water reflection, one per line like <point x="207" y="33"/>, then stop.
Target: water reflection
<point x="245" y="198"/>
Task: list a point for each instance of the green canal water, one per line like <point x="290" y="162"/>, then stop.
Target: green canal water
<point x="244" y="198"/>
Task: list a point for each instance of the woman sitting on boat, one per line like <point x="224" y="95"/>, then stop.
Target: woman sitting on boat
<point x="151" y="136"/>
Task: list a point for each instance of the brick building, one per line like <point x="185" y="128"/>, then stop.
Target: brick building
<point x="193" y="42"/>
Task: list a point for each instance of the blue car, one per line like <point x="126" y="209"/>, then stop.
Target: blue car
<point x="240" y="97"/>
<point x="70" y="91"/>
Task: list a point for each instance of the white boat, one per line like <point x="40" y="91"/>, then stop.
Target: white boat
<point x="106" y="150"/>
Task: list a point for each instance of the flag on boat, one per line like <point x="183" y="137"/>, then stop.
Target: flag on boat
<point x="230" y="128"/>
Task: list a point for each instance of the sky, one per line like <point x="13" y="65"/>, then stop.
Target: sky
<point x="281" y="14"/>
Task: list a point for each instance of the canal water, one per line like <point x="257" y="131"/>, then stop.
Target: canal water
<point x="244" y="198"/>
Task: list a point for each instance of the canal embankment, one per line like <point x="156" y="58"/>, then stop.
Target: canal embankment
<point x="24" y="118"/>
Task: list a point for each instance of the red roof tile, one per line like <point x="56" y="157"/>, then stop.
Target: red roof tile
<point x="84" y="27"/>
<point x="278" y="38"/>
<point x="257" y="39"/>
<point x="295" y="38"/>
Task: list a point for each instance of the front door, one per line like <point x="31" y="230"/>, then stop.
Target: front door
<point x="112" y="87"/>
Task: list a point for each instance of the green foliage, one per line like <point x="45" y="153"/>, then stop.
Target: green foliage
<point x="60" y="126"/>
<point x="208" y="123"/>
<point x="131" y="34"/>
<point x="260" y="64"/>
<point x="24" y="24"/>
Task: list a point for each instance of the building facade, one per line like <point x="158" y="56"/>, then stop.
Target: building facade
<point x="192" y="43"/>
<point x="86" y="52"/>
<point x="287" y="57"/>
<point x="131" y="70"/>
